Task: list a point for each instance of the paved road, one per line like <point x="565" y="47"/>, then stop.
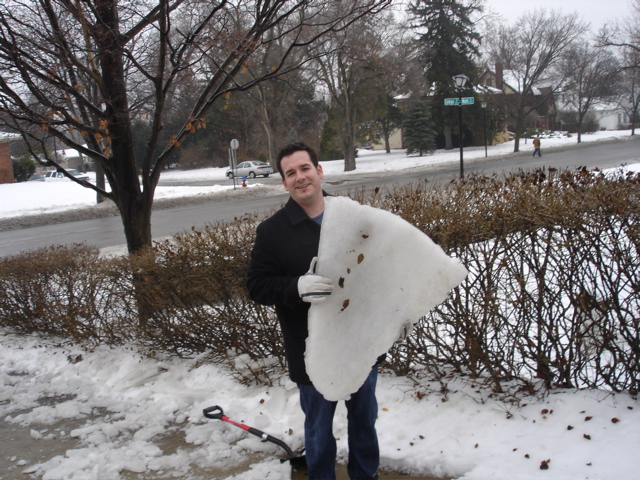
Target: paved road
<point x="108" y="232"/>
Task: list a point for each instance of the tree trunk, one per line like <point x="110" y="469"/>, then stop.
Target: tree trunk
<point x="349" y="134"/>
<point x="519" y="124"/>
<point x="448" y="140"/>
<point x="99" y="182"/>
<point x="583" y="108"/>
<point x="134" y="204"/>
<point x="136" y="219"/>
<point x="266" y="125"/>
<point x="385" y="136"/>
<point x="349" y="152"/>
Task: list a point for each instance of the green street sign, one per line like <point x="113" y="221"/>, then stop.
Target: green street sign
<point x="456" y="101"/>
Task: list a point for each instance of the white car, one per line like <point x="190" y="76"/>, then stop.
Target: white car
<point x="57" y="176"/>
<point x="251" y="169"/>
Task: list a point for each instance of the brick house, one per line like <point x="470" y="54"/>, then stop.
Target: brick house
<point x="501" y="81"/>
<point x="6" y="167"/>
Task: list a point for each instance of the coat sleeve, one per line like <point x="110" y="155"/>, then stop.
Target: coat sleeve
<point x="267" y="280"/>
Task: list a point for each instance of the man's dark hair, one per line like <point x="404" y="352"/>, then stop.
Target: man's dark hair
<point x="293" y="148"/>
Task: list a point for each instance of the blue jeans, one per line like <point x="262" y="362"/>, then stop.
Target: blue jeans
<point x="320" y="444"/>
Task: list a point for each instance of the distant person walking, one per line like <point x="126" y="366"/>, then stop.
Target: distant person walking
<point x="536" y="146"/>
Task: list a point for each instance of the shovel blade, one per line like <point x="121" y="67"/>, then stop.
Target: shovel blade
<point x="298" y="463"/>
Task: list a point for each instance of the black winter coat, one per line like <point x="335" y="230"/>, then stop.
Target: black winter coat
<point x="285" y="245"/>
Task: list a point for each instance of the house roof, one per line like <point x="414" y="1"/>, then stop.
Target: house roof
<point x="68" y="153"/>
<point x="513" y="83"/>
<point x="8" y="137"/>
<point x="487" y="89"/>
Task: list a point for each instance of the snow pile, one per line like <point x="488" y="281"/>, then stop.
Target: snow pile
<point x="386" y="275"/>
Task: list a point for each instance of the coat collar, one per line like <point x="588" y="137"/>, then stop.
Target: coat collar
<point x="295" y="212"/>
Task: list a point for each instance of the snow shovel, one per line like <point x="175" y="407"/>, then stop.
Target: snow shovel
<point x="296" y="461"/>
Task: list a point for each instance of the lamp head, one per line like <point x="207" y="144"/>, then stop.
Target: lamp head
<point x="461" y="80"/>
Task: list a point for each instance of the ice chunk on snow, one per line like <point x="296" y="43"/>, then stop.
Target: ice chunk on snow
<point x="385" y="272"/>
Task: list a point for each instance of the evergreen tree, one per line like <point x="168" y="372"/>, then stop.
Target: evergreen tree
<point x="449" y="42"/>
<point x="419" y="134"/>
<point x="23" y="168"/>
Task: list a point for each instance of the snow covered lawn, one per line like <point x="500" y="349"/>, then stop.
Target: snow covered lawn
<point x="123" y="404"/>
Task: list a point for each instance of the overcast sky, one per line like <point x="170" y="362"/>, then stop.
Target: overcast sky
<point x="596" y="12"/>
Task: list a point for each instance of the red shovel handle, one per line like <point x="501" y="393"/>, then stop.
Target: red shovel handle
<point x="216" y="413"/>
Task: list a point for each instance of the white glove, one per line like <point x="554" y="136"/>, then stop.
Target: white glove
<point x="314" y="288"/>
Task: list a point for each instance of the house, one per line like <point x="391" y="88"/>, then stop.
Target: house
<point x="6" y="166"/>
<point x="600" y="116"/>
<point x="505" y="82"/>
<point x="396" y="139"/>
<point x="605" y="115"/>
<point x="71" y="158"/>
<point x="68" y="159"/>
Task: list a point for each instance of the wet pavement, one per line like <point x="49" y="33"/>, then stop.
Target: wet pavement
<point x="21" y="447"/>
<point x="25" y="446"/>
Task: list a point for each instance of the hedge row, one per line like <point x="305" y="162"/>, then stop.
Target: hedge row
<point x="553" y="290"/>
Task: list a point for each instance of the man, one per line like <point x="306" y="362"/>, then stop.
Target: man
<point x="281" y="273"/>
<point x="536" y="146"/>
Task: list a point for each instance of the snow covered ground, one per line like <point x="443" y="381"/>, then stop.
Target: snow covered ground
<point x="123" y="405"/>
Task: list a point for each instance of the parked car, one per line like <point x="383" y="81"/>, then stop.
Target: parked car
<point x="36" y="177"/>
<point x="251" y="169"/>
<point x="56" y="176"/>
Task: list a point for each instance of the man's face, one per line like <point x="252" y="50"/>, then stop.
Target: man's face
<point x="301" y="178"/>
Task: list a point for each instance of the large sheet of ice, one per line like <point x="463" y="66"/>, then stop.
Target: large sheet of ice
<point x="385" y="272"/>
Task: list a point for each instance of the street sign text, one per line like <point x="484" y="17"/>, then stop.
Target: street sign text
<point x="456" y="101"/>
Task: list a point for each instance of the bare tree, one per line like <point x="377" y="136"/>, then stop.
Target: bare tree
<point x="591" y="74"/>
<point x="82" y="71"/>
<point x="347" y="60"/>
<point x="403" y="82"/>
<point x="286" y="106"/>
<point x="626" y="37"/>
<point x="530" y="50"/>
<point x="630" y="87"/>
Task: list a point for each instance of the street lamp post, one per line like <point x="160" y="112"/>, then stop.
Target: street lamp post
<point x="484" y="124"/>
<point x="460" y="81"/>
